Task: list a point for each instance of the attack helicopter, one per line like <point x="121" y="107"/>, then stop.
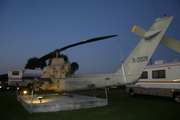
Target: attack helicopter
<point x="60" y="74"/>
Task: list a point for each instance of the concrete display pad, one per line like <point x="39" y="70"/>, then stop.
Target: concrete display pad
<point x="55" y="102"/>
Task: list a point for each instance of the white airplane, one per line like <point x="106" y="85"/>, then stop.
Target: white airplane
<point x="59" y="76"/>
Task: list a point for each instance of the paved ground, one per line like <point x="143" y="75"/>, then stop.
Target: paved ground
<point x="55" y="102"/>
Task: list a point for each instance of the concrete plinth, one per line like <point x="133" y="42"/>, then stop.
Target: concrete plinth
<point x="55" y="102"/>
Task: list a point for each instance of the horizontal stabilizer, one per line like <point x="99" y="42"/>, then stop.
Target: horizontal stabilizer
<point x="171" y="43"/>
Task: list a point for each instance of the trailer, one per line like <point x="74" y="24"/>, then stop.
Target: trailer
<point x="21" y="78"/>
<point x="160" y="79"/>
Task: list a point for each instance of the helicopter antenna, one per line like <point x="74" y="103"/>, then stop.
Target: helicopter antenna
<point x="122" y="62"/>
<point x="154" y="9"/>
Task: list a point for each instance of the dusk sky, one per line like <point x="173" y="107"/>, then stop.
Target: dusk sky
<point x="33" y="28"/>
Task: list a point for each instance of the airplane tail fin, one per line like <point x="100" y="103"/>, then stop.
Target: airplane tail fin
<point x="134" y="65"/>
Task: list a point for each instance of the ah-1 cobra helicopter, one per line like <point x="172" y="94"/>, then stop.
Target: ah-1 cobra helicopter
<point x="59" y="76"/>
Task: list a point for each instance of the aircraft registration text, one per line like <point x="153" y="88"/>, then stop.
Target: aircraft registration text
<point x="140" y="59"/>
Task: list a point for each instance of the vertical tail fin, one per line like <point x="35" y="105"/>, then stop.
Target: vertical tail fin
<point x="139" y="57"/>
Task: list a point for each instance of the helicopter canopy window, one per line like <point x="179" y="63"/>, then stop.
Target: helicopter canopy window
<point x="44" y="70"/>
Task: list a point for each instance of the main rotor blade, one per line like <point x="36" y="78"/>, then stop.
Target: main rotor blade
<point x="52" y="54"/>
<point x="85" y="41"/>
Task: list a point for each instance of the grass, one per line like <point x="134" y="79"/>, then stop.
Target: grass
<point x="120" y="107"/>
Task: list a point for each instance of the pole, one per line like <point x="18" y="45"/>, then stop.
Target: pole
<point x="106" y="95"/>
<point x="31" y="101"/>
